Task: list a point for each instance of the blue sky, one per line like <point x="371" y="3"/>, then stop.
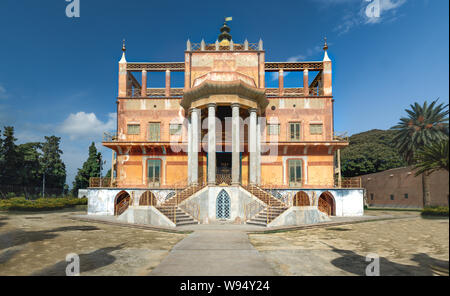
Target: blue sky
<point x="58" y="75"/>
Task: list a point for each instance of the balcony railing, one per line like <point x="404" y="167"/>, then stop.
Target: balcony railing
<point x="212" y="47"/>
<point x="109" y="137"/>
<point x="292" y="92"/>
<point x="96" y="182"/>
<point x="155" y="92"/>
<point x="164" y="136"/>
<point x="270" y="92"/>
<point x="340" y="136"/>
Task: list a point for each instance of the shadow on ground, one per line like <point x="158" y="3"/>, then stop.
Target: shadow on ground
<point x="8" y="254"/>
<point x="20" y="237"/>
<point x="356" y="264"/>
<point x="2" y="219"/>
<point x="98" y="258"/>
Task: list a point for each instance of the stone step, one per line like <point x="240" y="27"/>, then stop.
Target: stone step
<point x="263" y="219"/>
<point x="192" y="221"/>
<point x="252" y="222"/>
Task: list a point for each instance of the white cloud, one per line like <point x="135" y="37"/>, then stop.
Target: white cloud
<point x="355" y="12"/>
<point x="87" y="125"/>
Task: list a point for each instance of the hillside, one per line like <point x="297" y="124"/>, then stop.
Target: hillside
<point x="370" y="152"/>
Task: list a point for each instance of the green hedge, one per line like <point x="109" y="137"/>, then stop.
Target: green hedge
<point x="40" y="204"/>
<point x="435" y="211"/>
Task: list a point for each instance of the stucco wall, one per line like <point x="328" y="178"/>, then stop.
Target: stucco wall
<point x="348" y="202"/>
<point x="398" y="182"/>
<point x="207" y="199"/>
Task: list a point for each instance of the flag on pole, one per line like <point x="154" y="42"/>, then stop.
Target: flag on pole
<point x="230" y="18"/>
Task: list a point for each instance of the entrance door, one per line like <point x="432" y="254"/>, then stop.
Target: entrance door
<point x="223" y="168"/>
<point x="295" y="172"/>
<point x="223" y="205"/>
<point x="154" y="172"/>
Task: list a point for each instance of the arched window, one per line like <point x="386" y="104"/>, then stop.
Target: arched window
<point x="301" y="199"/>
<point x="327" y="204"/>
<point x="223" y="205"/>
<point x="147" y="199"/>
<point x="122" y="201"/>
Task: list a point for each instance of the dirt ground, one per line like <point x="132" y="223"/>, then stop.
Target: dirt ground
<point x="37" y="244"/>
<point x="412" y="246"/>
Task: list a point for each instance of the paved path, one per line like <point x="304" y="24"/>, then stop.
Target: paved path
<point x="214" y="253"/>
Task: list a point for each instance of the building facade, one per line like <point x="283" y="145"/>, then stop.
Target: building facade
<point x="226" y="130"/>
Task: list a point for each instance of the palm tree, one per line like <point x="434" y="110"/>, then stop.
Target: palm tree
<point x="424" y="125"/>
<point x="432" y="158"/>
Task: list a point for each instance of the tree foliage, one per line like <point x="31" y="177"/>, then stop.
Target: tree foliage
<point x="30" y="166"/>
<point x="424" y="125"/>
<point x="23" y="165"/>
<point x="370" y="152"/>
<point x="52" y="164"/>
<point x="432" y="158"/>
<point x="90" y="168"/>
<point x="10" y="175"/>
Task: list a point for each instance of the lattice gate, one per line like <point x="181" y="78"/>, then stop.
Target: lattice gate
<point x="223" y="205"/>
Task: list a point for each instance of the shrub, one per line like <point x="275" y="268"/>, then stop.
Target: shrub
<point x="435" y="211"/>
<point x="40" y="204"/>
<point x="10" y="195"/>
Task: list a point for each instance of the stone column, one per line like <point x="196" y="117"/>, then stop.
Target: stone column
<point x="252" y="147"/>
<point x="212" y="144"/>
<point x="195" y="118"/>
<point x="305" y="83"/>
<point x="144" y="83"/>
<point x="281" y="82"/>
<point x="258" y="151"/>
<point x="189" y="147"/>
<point x="167" y="83"/>
<point x="235" y="145"/>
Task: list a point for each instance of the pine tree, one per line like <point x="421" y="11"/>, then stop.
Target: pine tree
<point x="90" y="168"/>
<point x="30" y="166"/>
<point x="9" y="173"/>
<point x="52" y="165"/>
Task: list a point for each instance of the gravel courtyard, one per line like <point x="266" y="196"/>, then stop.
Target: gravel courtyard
<point x="412" y="246"/>
<point x="37" y="244"/>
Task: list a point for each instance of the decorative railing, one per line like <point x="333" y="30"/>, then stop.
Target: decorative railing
<point x="292" y="92"/>
<point x="340" y="136"/>
<point x="122" y="206"/>
<point x="165" y="136"/>
<point x="252" y="208"/>
<point x="96" y="182"/>
<point x="155" y="92"/>
<point x="212" y="47"/>
<point x="320" y="183"/>
<point x="192" y="208"/>
<point x="223" y="179"/>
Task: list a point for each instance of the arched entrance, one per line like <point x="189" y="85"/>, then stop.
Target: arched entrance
<point x="223" y="205"/>
<point x="326" y="204"/>
<point x="121" y="202"/>
<point x="147" y="199"/>
<point x="301" y="199"/>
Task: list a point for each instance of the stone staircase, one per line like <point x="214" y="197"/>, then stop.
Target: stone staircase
<point x="176" y="215"/>
<point x="274" y="207"/>
<point x="171" y="209"/>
